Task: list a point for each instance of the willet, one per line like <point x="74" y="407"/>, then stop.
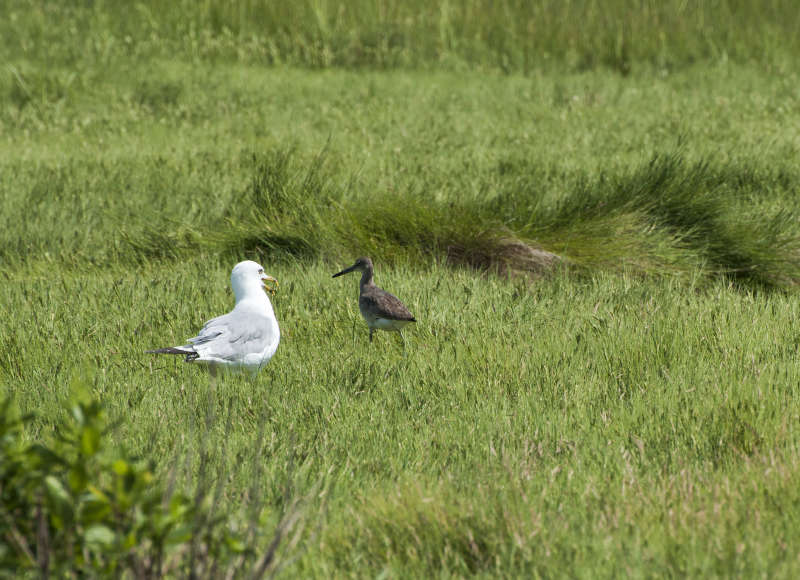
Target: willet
<point x="247" y="336"/>
<point x="381" y="310"/>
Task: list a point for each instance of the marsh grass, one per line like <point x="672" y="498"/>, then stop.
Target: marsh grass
<point x="508" y="36"/>
<point x="665" y="216"/>
<point x="630" y="413"/>
<point x="589" y="424"/>
<point x="510" y="206"/>
<point x="668" y="215"/>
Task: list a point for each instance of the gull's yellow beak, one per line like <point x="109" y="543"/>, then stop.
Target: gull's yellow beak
<point x="267" y="287"/>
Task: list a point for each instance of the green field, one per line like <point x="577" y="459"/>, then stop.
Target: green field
<point x="633" y="410"/>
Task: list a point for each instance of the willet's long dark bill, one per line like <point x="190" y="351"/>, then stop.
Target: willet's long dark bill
<point x="381" y="310"/>
<point x="247" y="336"/>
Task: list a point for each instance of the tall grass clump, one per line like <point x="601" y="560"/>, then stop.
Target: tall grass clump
<point x="705" y="209"/>
<point x="306" y="210"/>
<point x="666" y="216"/>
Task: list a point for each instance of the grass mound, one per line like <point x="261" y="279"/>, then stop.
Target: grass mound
<point x="667" y="215"/>
<point x="676" y="213"/>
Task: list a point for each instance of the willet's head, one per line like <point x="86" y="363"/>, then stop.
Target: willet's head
<point x="248" y="278"/>
<point x="362" y="265"/>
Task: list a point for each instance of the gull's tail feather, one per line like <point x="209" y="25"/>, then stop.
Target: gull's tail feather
<point x="189" y="354"/>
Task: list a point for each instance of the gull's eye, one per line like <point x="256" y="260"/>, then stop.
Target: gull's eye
<point x="261" y="270"/>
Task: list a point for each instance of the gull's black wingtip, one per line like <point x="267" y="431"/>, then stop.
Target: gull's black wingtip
<point x="169" y="350"/>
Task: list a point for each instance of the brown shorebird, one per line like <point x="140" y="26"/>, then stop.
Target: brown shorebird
<point x="381" y="310"/>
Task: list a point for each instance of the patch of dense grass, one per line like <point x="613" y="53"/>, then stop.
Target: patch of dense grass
<point x="667" y="215"/>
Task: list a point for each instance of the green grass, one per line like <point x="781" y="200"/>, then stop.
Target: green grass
<point x="509" y="36"/>
<point x="615" y="175"/>
<point x="632" y="412"/>
<point x="537" y="429"/>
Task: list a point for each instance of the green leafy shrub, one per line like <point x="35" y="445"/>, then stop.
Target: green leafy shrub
<point x="76" y="504"/>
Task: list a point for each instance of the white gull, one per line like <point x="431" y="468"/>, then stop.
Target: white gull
<point x="247" y="337"/>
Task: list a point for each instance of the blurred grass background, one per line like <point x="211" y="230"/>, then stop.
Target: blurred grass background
<point x="511" y="36"/>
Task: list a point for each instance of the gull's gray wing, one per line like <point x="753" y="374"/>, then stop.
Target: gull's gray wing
<point x="233" y="336"/>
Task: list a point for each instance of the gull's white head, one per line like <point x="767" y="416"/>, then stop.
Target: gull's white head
<point x="248" y="278"/>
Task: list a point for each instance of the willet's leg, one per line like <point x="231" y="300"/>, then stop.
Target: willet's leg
<point x="371" y="330"/>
